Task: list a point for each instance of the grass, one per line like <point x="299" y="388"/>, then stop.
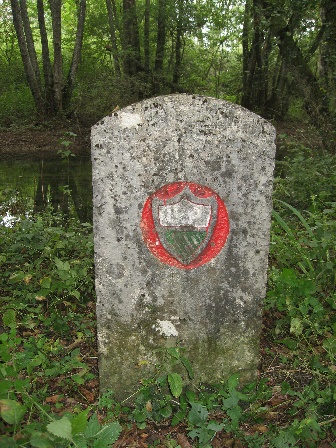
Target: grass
<point x="48" y="371"/>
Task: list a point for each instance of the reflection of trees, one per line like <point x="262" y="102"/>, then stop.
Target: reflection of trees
<point x="58" y="187"/>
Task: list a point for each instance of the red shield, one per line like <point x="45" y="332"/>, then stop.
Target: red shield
<point x="185" y="224"/>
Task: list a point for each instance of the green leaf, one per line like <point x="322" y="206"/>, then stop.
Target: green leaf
<point x="40" y="440"/>
<point x="296" y="326"/>
<point x="233" y="382"/>
<point x="9" y="318"/>
<point x="282" y="223"/>
<point x="329" y="344"/>
<point x="231" y="401"/>
<point x="75" y="294"/>
<point x="62" y="266"/>
<point x="214" y="426"/>
<point x="198" y="414"/>
<point x="174" y="352"/>
<point x="45" y="282"/>
<point x="107" y="435"/>
<point x="299" y="215"/>
<point x="139" y="416"/>
<point x="7" y="442"/>
<point x="93" y="427"/>
<point x="12" y="411"/>
<point x="61" y="428"/>
<point x="79" y="422"/>
<point x="166" y="411"/>
<point x="187" y="364"/>
<point x="175" y="384"/>
<point x="284" y="440"/>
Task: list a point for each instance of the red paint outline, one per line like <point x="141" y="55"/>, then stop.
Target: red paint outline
<point x="217" y="241"/>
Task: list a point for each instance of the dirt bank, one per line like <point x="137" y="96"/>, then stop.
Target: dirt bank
<point x="43" y="142"/>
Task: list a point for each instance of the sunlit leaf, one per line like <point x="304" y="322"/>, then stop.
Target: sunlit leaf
<point x="12" y="411"/>
<point x="61" y="428"/>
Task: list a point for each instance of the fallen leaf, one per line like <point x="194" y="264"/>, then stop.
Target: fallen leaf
<point x="183" y="441"/>
<point x="52" y="399"/>
<point x="87" y="394"/>
<point x="149" y="406"/>
<point x="260" y="428"/>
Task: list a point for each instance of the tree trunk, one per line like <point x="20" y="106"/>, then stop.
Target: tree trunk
<point x="327" y="52"/>
<point x="161" y="36"/>
<point x="146" y="38"/>
<point x="131" y="43"/>
<point x="55" y="8"/>
<point x="307" y="84"/>
<point x="160" y="45"/>
<point x="255" y="88"/>
<point x="245" y="45"/>
<point x="30" y="41"/>
<point x="28" y="65"/>
<point x="178" y="44"/>
<point x="112" y="19"/>
<point x="76" y="55"/>
<point x="47" y="68"/>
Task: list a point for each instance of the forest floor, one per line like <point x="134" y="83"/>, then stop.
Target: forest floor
<point x="36" y="142"/>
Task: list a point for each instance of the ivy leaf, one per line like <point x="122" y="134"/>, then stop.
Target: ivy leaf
<point x="12" y="411"/>
<point x="175" y="384"/>
<point x="61" y="428"/>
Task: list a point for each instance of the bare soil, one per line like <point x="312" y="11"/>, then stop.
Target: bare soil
<point x="41" y="142"/>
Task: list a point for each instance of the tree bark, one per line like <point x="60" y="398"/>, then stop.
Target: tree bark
<point x="131" y="43"/>
<point x="161" y="36"/>
<point x="30" y="41"/>
<point x="33" y="82"/>
<point x="55" y="8"/>
<point x="112" y="19"/>
<point x="146" y="38"/>
<point x="76" y="55"/>
<point x="47" y="68"/>
<point x="178" y="44"/>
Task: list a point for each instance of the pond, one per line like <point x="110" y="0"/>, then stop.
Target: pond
<point x="29" y="186"/>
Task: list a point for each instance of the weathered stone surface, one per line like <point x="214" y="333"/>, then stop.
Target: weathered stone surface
<point x="214" y="310"/>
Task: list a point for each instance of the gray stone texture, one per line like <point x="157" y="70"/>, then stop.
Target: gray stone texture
<point x="213" y="311"/>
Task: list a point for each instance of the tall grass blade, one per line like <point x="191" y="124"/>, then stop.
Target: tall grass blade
<point x="299" y="215"/>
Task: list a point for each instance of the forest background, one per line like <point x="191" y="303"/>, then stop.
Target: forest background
<point x="65" y="64"/>
<point x="79" y="58"/>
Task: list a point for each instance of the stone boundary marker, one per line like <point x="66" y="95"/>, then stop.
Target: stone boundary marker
<point x="182" y="208"/>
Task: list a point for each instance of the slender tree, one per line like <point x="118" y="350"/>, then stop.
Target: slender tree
<point x="112" y="19"/>
<point x="131" y="41"/>
<point x="54" y="93"/>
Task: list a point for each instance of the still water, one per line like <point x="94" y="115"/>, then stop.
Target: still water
<point x="30" y="186"/>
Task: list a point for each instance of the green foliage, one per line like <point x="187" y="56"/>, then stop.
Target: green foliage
<point x="47" y="283"/>
<point x="46" y="299"/>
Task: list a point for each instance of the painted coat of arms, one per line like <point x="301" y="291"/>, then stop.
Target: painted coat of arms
<point x="185" y="224"/>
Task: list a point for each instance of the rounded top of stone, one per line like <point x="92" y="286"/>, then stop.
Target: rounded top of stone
<point x="183" y="108"/>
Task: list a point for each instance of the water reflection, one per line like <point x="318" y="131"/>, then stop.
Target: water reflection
<point x="29" y="186"/>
